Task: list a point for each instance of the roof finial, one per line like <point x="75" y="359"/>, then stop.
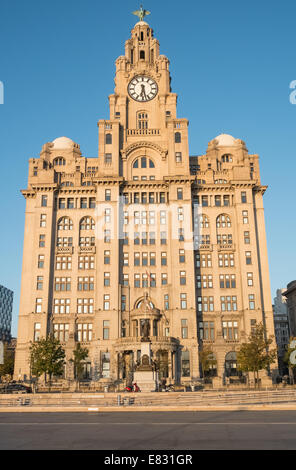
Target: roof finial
<point x="141" y="13"/>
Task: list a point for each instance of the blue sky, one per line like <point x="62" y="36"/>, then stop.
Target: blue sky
<point x="231" y="65"/>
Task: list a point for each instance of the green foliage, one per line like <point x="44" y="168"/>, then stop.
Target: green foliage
<point x="47" y="357"/>
<point x="80" y="354"/>
<point x="207" y="359"/>
<point x="255" y="355"/>
<point x="8" y="367"/>
<point x="288" y="354"/>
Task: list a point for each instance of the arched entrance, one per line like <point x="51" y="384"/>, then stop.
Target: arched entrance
<point x="231" y="364"/>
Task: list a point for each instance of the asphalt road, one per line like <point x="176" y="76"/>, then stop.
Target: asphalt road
<point x="233" y="430"/>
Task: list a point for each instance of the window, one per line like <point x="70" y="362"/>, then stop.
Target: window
<point x="162" y="217"/>
<point x="59" y="161"/>
<point x="205" y="304"/>
<point x="251" y="301"/>
<point x="166" y="302"/>
<point x="106" y="326"/>
<point x="123" y="303"/>
<point x="163" y="258"/>
<point x="144" y="259"/>
<point x="61" y="306"/>
<point x="65" y="224"/>
<point x="86" y="241"/>
<point x="142" y="55"/>
<point x="181" y="234"/>
<point x="227" y="281"/>
<point x="204" y="201"/>
<point x="125" y="280"/>
<point x="106" y="279"/>
<point x="207" y="331"/>
<point x="107" y="216"/>
<point x="179" y="193"/>
<point x="226" y="200"/>
<point x="177" y="137"/>
<point x="224" y="239"/>
<point x="163" y="238"/>
<point x="230" y="330"/>
<point x="152" y="280"/>
<point x="62" y="203"/>
<point x="107" y="236"/>
<point x="107" y="302"/>
<point x="245" y="217"/>
<point x="107" y="257"/>
<point x="43" y="220"/>
<point x="180" y="214"/>
<point x="178" y="157"/>
<point x="162" y="198"/>
<point x="38" y="305"/>
<point x="137" y="281"/>
<point x="250" y="279"/>
<point x="184" y="329"/>
<point x="62" y="284"/>
<point x="136" y="238"/>
<point x="108" y="158"/>
<point x="84" y="332"/>
<point x="228" y="303"/>
<point x="144" y="280"/>
<point x="41" y="241"/>
<point x="226" y="158"/>
<point x="106" y="365"/>
<point x="63" y="262"/>
<point x="86" y="262"/>
<point x="218" y="201"/>
<point x="41" y="261"/>
<point x="44" y="201"/>
<point x="61" y="331"/>
<point x="70" y="203"/>
<point x="243" y="197"/>
<point x="183" y="301"/>
<point x="226" y="259"/>
<point x="39" y="285"/>
<point x="136" y="259"/>
<point x="248" y="257"/>
<point x="182" y="278"/>
<point x="181" y="256"/>
<point x="85" y="283"/>
<point x="204" y="260"/>
<point x="125" y="259"/>
<point x="64" y="241"/>
<point x="164" y="279"/>
<point x="142" y="121"/>
<point x="247" y="238"/>
<point x="108" y="139"/>
<point x="37" y="331"/>
<point x="223" y="221"/>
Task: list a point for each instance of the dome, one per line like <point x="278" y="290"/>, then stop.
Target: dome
<point x="225" y="140"/>
<point x="62" y="143"/>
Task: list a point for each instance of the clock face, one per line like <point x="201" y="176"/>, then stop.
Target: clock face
<point x="142" y="88"/>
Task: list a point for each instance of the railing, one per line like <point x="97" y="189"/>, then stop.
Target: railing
<point x="130" y="132"/>
<point x="87" y="249"/>
<point x="64" y="249"/>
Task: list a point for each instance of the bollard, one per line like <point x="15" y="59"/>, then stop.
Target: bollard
<point x="118" y="400"/>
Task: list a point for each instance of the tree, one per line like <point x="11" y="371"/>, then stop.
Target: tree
<point x="8" y="367"/>
<point x="80" y="354"/>
<point x="207" y="359"/>
<point x="255" y="355"/>
<point x="47" y="357"/>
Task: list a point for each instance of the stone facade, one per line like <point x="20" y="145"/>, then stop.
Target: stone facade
<point x="144" y="236"/>
<point x="281" y="328"/>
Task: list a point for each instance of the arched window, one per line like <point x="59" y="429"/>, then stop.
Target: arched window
<point x="59" y="161"/>
<point x="177" y="137"/>
<point x="223" y="220"/>
<point x="142" y="163"/>
<point x="226" y="158"/>
<point x="87" y="223"/>
<point x="108" y="139"/>
<point x="65" y="223"/>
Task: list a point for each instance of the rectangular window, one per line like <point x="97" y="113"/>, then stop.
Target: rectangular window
<point x="243" y="197"/>
<point x="163" y="259"/>
<point x="164" y="279"/>
<point x="39" y="285"/>
<point x="83" y="203"/>
<point x="106" y="326"/>
<point x="144" y="259"/>
<point x="41" y="261"/>
<point x="207" y="331"/>
<point x="107" y="257"/>
<point x="86" y="262"/>
<point x="84" y="332"/>
<point x="251" y="301"/>
<point x="163" y="238"/>
<point x="107" y="194"/>
<point x="61" y="331"/>
<point x="166" y="302"/>
<point x="153" y="280"/>
<point x="38" y="305"/>
<point x="183" y="301"/>
<point x="179" y="194"/>
<point x="230" y="330"/>
<point x="182" y="278"/>
<point x="228" y="303"/>
<point x="250" y="279"/>
<point x="37" y="331"/>
<point x="106" y="279"/>
<point x="137" y="280"/>
<point x="204" y="201"/>
<point x="41" y="241"/>
<point x="107" y="236"/>
<point x="136" y="259"/>
<point x="181" y="256"/>
<point x="152" y="259"/>
<point x="178" y="156"/>
<point x="248" y="257"/>
<point x="107" y="216"/>
<point x="247" y="238"/>
<point x="43" y="220"/>
<point x="108" y="158"/>
<point x="107" y="302"/>
<point x="218" y="201"/>
<point x="61" y="306"/>
<point x="125" y="259"/>
<point x="62" y="284"/>
<point x="226" y="200"/>
<point x="162" y="198"/>
<point x="125" y="280"/>
<point x="184" y="329"/>
<point x="85" y="305"/>
<point x="44" y="201"/>
<point x="185" y="364"/>
<point x="245" y="217"/>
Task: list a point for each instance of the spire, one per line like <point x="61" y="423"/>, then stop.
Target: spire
<point x="141" y="13"/>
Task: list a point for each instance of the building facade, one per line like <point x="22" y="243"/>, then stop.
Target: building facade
<point x="144" y="237"/>
<point x="6" y="302"/>
<point x="290" y="297"/>
<point x="281" y="328"/>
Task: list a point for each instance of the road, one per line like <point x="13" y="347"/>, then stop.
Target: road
<point x="231" y="430"/>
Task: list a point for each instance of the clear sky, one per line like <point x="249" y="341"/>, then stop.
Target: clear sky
<point x="231" y="64"/>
